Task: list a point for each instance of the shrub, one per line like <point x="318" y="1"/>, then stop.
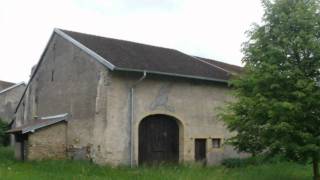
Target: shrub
<point x="257" y="160"/>
<point x="4" y="138"/>
<point x="233" y="162"/>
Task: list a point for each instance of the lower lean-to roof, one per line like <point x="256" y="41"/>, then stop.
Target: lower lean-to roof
<point x="38" y="124"/>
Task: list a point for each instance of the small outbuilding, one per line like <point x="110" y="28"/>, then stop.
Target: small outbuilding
<point x="10" y="95"/>
<point x="44" y="138"/>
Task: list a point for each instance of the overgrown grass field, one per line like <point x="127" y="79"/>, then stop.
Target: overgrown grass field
<point x="77" y="170"/>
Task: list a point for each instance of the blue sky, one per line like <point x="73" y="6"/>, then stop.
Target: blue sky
<point x="208" y="28"/>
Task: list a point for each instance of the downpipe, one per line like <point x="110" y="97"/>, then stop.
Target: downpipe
<point x="131" y="114"/>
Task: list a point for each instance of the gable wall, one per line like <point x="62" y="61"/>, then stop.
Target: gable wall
<point x="66" y="82"/>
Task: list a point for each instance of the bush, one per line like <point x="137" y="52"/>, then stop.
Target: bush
<point x="233" y="162"/>
<point x="4" y="138"/>
<point x="257" y="160"/>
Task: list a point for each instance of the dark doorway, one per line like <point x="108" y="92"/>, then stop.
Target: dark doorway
<point x="23" y="140"/>
<point x="158" y="140"/>
<point x="200" y="150"/>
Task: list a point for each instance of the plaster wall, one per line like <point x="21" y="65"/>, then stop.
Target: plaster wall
<point x="194" y="103"/>
<point x="8" y="102"/>
<point x="66" y="82"/>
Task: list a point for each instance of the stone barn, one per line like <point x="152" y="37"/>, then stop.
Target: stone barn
<point x="122" y="103"/>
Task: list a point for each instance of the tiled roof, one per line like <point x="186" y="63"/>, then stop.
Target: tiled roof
<point x="234" y="69"/>
<point x="126" y="55"/>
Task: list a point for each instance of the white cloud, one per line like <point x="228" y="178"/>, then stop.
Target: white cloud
<point x="209" y="28"/>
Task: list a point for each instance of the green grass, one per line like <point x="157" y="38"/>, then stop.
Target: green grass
<point x="78" y="170"/>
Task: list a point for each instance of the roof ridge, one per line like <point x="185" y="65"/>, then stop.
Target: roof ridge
<point x="210" y="64"/>
<point x="219" y="61"/>
<point x="123" y="40"/>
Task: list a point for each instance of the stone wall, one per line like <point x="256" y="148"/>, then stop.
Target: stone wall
<point x="194" y="103"/>
<point x="9" y="101"/>
<point x="66" y="82"/>
<point x="48" y="143"/>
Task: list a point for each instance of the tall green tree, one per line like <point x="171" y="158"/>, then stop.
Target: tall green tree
<point x="277" y="107"/>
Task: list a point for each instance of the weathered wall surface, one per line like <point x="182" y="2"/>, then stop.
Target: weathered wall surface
<point x="9" y="101"/>
<point x="66" y="82"/>
<point x="48" y="143"/>
<point x="193" y="103"/>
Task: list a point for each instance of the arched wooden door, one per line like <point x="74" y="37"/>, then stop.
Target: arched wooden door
<point x="158" y="140"/>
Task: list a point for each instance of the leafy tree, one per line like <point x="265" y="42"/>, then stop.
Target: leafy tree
<point x="278" y="97"/>
<point x="4" y="138"/>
